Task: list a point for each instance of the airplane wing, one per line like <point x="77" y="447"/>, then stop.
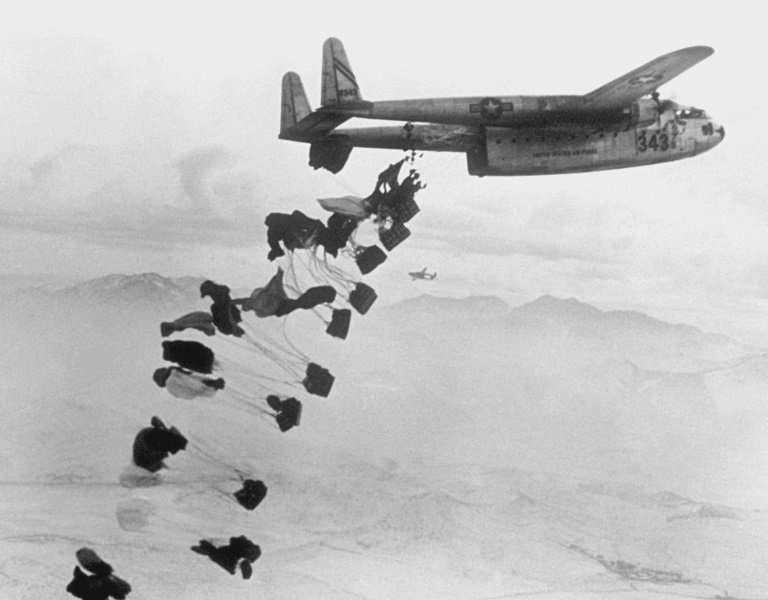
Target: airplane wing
<point x="643" y="80"/>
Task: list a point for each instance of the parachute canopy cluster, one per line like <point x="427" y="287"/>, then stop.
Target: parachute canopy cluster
<point x="224" y="354"/>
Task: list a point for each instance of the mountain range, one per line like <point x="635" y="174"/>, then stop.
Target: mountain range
<point x="486" y="449"/>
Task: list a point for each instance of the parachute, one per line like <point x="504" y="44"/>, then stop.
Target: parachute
<point x="101" y="584"/>
<point x="224" y="314"/>
<point x="133" y="476"/>
<point x="239" y="550"/>
<point x="133" y="514"/>
<point x="185" y="384"/>
<point x="295" y="231"/>
<point x="337" y="232"/>
<point x="190" y="355"/>
<point x="349" y="206"/>
<point x="200" y="320"/>
<point x="154" y="444"/>
<point x="90" y="561"/>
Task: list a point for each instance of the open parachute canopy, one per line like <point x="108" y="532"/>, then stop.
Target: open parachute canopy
<point x="155" y="443"/>
<point x="186" y="384"/>
<point x="133" y="514"/>
<point x="101" y="583"/>
<point x="200" y="320"/>
<point x="240" y="551"/>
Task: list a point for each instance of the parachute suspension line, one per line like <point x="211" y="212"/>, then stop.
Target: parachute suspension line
<point x="316" y="312"/>
<point x="333" y="277"/>
<point x="258" y="379"/>
<point x="271" y="353"/>
<point x="305" y="358"/>
<point x="341" y="180"/>
<point x="296" y="357"/>
<point x="294" y="285"/>
<point x="235" y="341"/>
<point x="245" y="400"/>
<point x="339" y="273"/>
<point x="245" y="370"/>
<point x="287" y="362"/>
<point x="208" y="456"/>
<point x="322" y="276"/>
<point x="223" y="493"/>
<point x="280" y="356"/>
<point x="321" y="265"/>
<point x="235" y="405"/>
<point x="319" y="276"/>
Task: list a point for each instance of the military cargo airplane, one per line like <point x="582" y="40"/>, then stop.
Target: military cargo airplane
<point x="422" y="275"/>
<point x="623" y="123"/>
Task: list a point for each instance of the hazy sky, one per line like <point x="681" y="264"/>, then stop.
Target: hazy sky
<point x="142" y="136"/>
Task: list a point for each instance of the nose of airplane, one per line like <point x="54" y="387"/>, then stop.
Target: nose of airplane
<point x="717" y="133"/>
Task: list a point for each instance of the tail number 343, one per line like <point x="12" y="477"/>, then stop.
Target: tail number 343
<point x="657" y="142"/>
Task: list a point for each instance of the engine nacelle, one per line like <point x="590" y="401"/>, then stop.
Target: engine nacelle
<point x="644" y="113"/>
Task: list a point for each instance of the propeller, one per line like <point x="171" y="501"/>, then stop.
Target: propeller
<point x="662" y="106"/>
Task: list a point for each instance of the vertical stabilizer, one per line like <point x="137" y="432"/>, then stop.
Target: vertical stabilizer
<point x="339" y="83"/>
<point x="294" y="102"/>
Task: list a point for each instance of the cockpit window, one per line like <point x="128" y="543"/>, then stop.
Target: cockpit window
<point x="690" y="113"/>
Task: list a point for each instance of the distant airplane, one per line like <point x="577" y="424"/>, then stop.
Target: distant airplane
<point x="612" y="127"/>
<point x="422" y="275"/>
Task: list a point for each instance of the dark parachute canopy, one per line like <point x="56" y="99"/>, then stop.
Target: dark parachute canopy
<point x="239" y="550"/>
<point x="295" y="231"/>
<point x="225" y="315"/>
<point x="200" y="320"/>
<point x="155" y="443"/>
<point x="101" y="584"/>
<point x="189" y="355"/>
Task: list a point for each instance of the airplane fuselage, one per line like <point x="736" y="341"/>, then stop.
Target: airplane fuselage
<point x="499" y="150"/>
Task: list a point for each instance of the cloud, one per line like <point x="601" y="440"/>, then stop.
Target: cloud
<point x="195" y="169"/>
<point x="555" y="231"/>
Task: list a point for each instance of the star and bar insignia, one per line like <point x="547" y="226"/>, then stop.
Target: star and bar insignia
<point x="648" y="78"/>
<point x="490" y="108"/>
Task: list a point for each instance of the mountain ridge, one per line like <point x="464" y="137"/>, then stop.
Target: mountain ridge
<point x="547" y="313"/>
